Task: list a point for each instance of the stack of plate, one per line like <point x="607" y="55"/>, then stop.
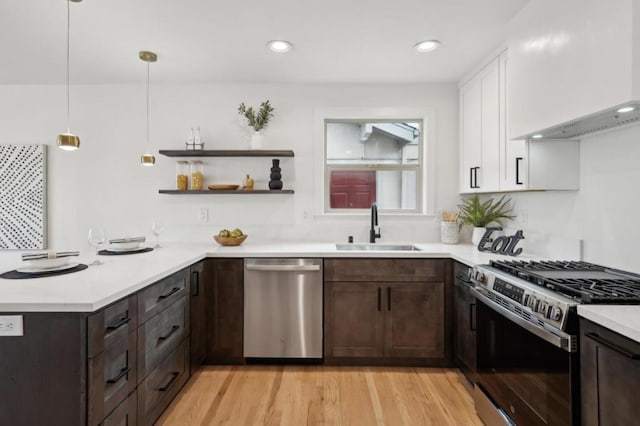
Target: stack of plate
<point x="36" y="266"/>
<point x="122" y="245"/>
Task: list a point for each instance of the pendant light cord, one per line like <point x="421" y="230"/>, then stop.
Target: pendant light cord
<point x="68" y="53"/>
<point x="147" y="106"/>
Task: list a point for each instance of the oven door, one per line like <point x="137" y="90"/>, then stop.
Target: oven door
<point x="529" y="373"/>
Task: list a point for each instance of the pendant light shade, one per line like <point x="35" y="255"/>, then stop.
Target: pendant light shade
<point x="148" y="159"/>
<point x="68" y="141"/>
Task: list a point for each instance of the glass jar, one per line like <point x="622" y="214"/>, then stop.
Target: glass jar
<point x="182" y="177"/>
<point x="196" y="175"/>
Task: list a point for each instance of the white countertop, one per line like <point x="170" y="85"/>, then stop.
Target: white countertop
<point x="119" y="276"/>
<point x="623" y="319"/>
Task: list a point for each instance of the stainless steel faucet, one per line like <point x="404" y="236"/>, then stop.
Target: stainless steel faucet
<point x="374" y="222"/>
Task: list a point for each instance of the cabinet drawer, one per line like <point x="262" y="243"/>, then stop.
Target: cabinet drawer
<point x="376" y="270"/>
<point x="160" y="335"/>
<point x="112" y="376"/>
<point x="111" y="324"/>
<point x="158" y="296"/>
<point x="126" y="414"/>
<point x="158" y="389"/>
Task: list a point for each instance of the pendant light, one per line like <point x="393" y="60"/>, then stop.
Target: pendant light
<point x="147" y="159"/>
<point x="68" y="141"/>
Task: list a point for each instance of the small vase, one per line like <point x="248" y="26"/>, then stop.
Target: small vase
<point x="275" y="176"/>
<point x="257" y="140"/>
<point x="478" y="232"/>
<point x="247" y="183"/>
<point x="449" y="232"/>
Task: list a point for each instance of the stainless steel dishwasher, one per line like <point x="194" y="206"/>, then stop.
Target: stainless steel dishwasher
<point x="283" y="308"/>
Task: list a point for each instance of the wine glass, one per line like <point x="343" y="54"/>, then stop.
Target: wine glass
<point x="96" y="238"/>
<point x="157" y="227"/>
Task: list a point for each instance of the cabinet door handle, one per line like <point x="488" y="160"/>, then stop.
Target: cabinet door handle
<point x="388" y="298"/>
<point x="475" y="177"/>
<point x="471" y="177"/>
<point x="174" y="375"/>
<point x="518" y="162"/>
<point x="166" y="336"/>
<point x="195" y="276"/>
<point x="611" y="345"/>
<point x="119" y="323"/>
<point x="120" y="375"/>
<point x="379" y="299"/>
<point x="472" y="316"/>
<point x="169" y="294"/>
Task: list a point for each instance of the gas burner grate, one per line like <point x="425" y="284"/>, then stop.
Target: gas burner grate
<point x="583" y="281"/>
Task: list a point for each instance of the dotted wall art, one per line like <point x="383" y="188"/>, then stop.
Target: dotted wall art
<point x="23" y="186"/>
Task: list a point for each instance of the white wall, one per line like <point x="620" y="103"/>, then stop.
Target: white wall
<point x="605" y="212"/>
<point x="104" y="183"/>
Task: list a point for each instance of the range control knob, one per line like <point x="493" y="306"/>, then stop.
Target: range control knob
<point x="543" y="308"/>
<point x="479" y="277"/>
<point x="554" y="313"/>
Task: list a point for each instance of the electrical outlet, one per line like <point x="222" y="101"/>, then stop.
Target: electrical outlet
<point x="203" y="215"/>
<point x="11" y="325"/>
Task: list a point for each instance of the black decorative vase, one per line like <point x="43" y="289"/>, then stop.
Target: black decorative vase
<point x="275" y="176"/>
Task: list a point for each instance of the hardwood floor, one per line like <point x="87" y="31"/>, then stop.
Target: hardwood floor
<point x="319" y="395"/>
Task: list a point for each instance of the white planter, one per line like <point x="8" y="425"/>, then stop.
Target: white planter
<point x="257" y="140"/>
<point x="478" y="232"/>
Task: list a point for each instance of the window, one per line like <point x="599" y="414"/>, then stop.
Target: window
<point x="369" y="161"/>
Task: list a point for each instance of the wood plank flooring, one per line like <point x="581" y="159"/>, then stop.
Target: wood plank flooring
<point x="322" y="395"/>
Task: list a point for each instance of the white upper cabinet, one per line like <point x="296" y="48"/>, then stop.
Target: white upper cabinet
<point x="480" y="131"/>
<point x="491" y="163"/>
<point x="569" y="59"/>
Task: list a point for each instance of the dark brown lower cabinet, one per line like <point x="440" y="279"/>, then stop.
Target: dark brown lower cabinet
<point x="389" y="311"/>
<point x="199" y="279"/>
<point x="465" y="323"/>
<point x="126" y="414"/>
<point x="224" y="300"/>
<point x="609" y="377"/>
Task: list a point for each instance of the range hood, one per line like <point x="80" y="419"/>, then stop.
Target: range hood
<point x="617" y="116"/>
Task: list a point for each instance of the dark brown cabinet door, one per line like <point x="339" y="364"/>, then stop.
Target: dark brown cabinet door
<point x="465" y="334"/>
<point x="224" y="304"/>
<point x="198" y="287"/>
<point x="353" y="319"/>
<point x="610" y="373"/>
<point x="414" y="320"/>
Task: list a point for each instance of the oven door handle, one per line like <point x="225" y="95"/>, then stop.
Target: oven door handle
<point x="561" y="340"/>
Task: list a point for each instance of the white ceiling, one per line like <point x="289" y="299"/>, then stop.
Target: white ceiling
<point x="207" y="41"/>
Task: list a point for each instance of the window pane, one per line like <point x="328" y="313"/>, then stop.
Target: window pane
<point x="358" y="189"/>
<point x="372" y="143"/>
<point x="369" y="161"/>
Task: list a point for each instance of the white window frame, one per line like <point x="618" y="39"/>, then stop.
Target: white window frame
<point x="425" y="185"/>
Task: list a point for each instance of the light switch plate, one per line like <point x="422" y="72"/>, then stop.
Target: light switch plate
<point x="11" y="325"/>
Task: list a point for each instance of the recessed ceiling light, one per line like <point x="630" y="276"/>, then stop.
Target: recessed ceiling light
<point x="279" y="46"/>
<point x="538" y="136"/>
<point x="427" y="45"/>
<point x="626" y="109"/>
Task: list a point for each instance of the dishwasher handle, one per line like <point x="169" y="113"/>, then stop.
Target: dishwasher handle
<point x="283" y="268"/>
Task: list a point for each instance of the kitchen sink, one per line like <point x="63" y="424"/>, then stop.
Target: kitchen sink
<point x="376" y="247"/>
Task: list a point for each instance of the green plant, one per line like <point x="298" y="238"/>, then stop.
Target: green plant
<point x="480" y="214"/>
<point x="260" y="120"/>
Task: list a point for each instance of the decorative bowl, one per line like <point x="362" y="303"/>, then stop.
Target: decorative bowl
<point x="224" y="187"/>
<point x="230" y="241"/>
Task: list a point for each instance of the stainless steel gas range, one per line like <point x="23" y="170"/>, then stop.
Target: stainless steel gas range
<point x="527" y="336"/>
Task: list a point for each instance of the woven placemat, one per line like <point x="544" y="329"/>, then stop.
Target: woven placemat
<point x="15" y="275"/>
<point x="118" y="253"/>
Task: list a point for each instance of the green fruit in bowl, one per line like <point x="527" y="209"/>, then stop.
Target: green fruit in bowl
<point x="235" y="234"/>
<point x="238" y="231"/>
<point x="224" y="233"/>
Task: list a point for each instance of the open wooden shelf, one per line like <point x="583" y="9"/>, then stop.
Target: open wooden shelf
<point x="227" y="153"/>
<point x="226" y="192"/>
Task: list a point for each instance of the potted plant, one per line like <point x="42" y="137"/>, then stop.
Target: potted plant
<point x="258" y="120"/>
<point x="480" y="214"/>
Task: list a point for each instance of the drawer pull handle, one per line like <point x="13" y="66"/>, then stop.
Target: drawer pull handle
<point x="166" y="336"/>
<point x="122" y="321"/>
<point x="165" y="387"/>
<point x="172" y="292"/>
<point x="195" y="275"/>
<point x="612" y="346"/>
<point x="122" y="373"/>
